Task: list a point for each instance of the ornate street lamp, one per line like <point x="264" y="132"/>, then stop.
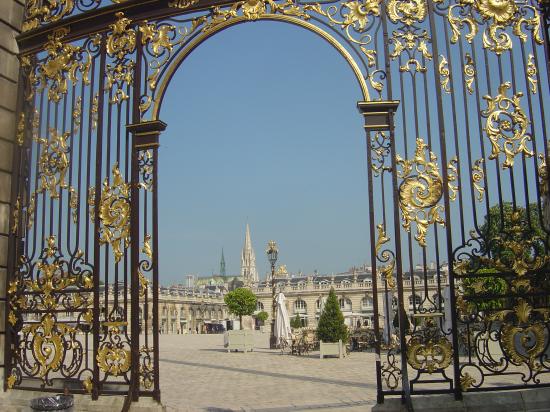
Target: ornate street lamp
<point x="272" y="253"/>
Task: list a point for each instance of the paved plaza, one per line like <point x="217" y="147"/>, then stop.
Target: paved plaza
<point x="197" y="374"/>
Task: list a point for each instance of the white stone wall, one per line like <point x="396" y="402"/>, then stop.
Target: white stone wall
<point x="11" y="17"/>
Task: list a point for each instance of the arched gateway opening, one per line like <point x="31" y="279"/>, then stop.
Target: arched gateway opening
<point x="455" y="106"/>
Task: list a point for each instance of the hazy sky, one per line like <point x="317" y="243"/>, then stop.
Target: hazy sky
<point x="262" y="128"/>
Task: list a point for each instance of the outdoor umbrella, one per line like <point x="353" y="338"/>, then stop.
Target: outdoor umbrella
<point x="282" y="321"/>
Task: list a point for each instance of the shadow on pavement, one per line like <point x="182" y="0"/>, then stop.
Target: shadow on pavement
<point x="274" y="374"/>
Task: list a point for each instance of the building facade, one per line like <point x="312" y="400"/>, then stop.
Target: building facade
<point x="306" y="295"/>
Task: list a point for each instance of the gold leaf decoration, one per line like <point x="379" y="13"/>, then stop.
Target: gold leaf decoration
<point x="53" y="163"/>
<point x="420" y="191"/>
<point x="466" y="381"/>
<point x="532" y="73"/>
<point x="15" y="215"/>
<point x="39" y="12"/>
<point x="20" y="134"/>
<point x="407" y="11"/>
<point x="478" y="176"/>
<point x="444" y="73"/>
<point x="62" y="63"/>
<point x="30" y="211"/>
<point x="498" y="15"/>
<point x="145" y="265"/>
<point x="506" y="122"/>
<point x="386" y="271"/>
<point x="114" y="213"/>
<point x="428" y="350"/>
<point x="122" y="39"/>
<point x="11" y="381"/>
<point x="73" y="203"/>
<point x="469" y="73"/>
<point x="113" y="358"/>
<point x="452" y="176"/>
<point x="88" y="385"/>
<point x="182" y="4"/>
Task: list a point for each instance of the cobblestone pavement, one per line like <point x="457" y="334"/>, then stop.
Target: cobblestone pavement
<point x="197" y="374"/>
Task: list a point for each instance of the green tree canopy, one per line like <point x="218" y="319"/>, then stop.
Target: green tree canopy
<point x="262" y="316"/>
<point x="331" y="326"/>
<point x="296" y="323"/>
<point x="241" y="302"/>
<point x="506" y="224"/>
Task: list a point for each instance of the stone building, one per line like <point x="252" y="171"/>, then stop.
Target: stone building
<point x="306" y="295"/>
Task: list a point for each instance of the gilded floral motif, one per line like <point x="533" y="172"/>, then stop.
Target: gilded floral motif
<point x="407" y="11"/>
<point x="113" y="357"/>
<point x="532" y="74"/>
<point x="386" y="271"/>
<point x="39" y="11"/>
<point x="114" y="213"/>
<point x="420" y="191"/>
<point x="498" y="15"/>
<point x="53" y="163"/>
<point x="506" y="126"/>
<point x="62" y="63"/>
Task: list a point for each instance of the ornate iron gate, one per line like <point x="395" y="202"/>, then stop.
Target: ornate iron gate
<point x="455" y="99"/>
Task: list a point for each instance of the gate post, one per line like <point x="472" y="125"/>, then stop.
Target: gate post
<point x="145" y="139"/>
<point x="378" y="117"/>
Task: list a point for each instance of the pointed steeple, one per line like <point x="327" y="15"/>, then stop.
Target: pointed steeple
<point x="248" y="260"/>
<point x="222" y="265"/>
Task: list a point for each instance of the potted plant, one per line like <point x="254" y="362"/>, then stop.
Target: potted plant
<point x="240" y="302"/>
<point x="331" y="329"/>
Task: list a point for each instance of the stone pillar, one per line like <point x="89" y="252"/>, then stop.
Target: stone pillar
<point x="11" y="17"/>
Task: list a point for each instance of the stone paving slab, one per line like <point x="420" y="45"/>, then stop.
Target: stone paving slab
<point x="197" y="374"/>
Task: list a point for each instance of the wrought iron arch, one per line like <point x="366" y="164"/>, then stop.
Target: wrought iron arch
<point x="466" y="148"/>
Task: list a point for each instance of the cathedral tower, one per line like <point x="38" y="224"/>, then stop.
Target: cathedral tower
<point x="249" y="274"/>
<point x="222" y="265"/>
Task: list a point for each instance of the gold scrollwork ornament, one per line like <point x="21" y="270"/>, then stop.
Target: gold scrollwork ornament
<point x="112" y="357"/>
<point x="506" y="123"/>
<point x="386" y="271"/>
<point x="498" y="15"/>
<point x="420" y="191"/>
<point x="407" y="11"/>
<point x="114" y="213"/>
<point x="61" y="64"/>
<point x="54" y="163"/>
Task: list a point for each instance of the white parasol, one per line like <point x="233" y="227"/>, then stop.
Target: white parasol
<point x="282" y="321"/>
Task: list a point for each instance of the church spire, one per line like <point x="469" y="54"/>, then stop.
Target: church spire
<point x="249" y="273"/>
<point x="222" y="265"/>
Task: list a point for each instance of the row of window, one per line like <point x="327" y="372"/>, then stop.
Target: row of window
<point x="345" y="304"/>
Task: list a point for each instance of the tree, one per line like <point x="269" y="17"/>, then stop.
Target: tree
<point x="296" y="322"/>
<point x="331" y="326"/>
<point x="508" y="235"/>
<point x="262" y="316"/>
<point x="506" y="224"/>
<point x="241" y="302"/>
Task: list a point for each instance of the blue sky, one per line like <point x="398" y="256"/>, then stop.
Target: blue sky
<point x="262" y="128"/>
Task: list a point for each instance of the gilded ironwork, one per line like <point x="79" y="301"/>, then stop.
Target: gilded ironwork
<point x="145" y="265"/>
<point x="121" y="43"/>
<point x="478" y="175"/>
<point x="113" y="357"/>
<point x="466" y="381"/>
<point x="30" y="211"/>
<point x="182" y="4"/>
<point x="506" y="122"/>
<point x="420" y="191"/>
<point x="20" y="134"/>
<point x="114" y="213"/>
<point x="498" y="15"/>
<point x="427" y="350"/>
<point x="444" y="74"/>
<point x="54" y="163"/>
<point x="50" y="342"/>
<point x="469" y="73"/>
<point x="146" y="372"/>
<point x="38" y="12"/>
<point x="73" y="203"/>
<point x="11" y="381"/>
<point x="524" y="333"/>
<point x="452" y="177"/>
<point x="15" y="215"/>
<point x="407" y="11"/>
<point x="532" y="74"/>
<point x="62" y="63"/>
<point x="54" y="275"/>
<point x="386" y="271"/>
<point x="145" y="164"/>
